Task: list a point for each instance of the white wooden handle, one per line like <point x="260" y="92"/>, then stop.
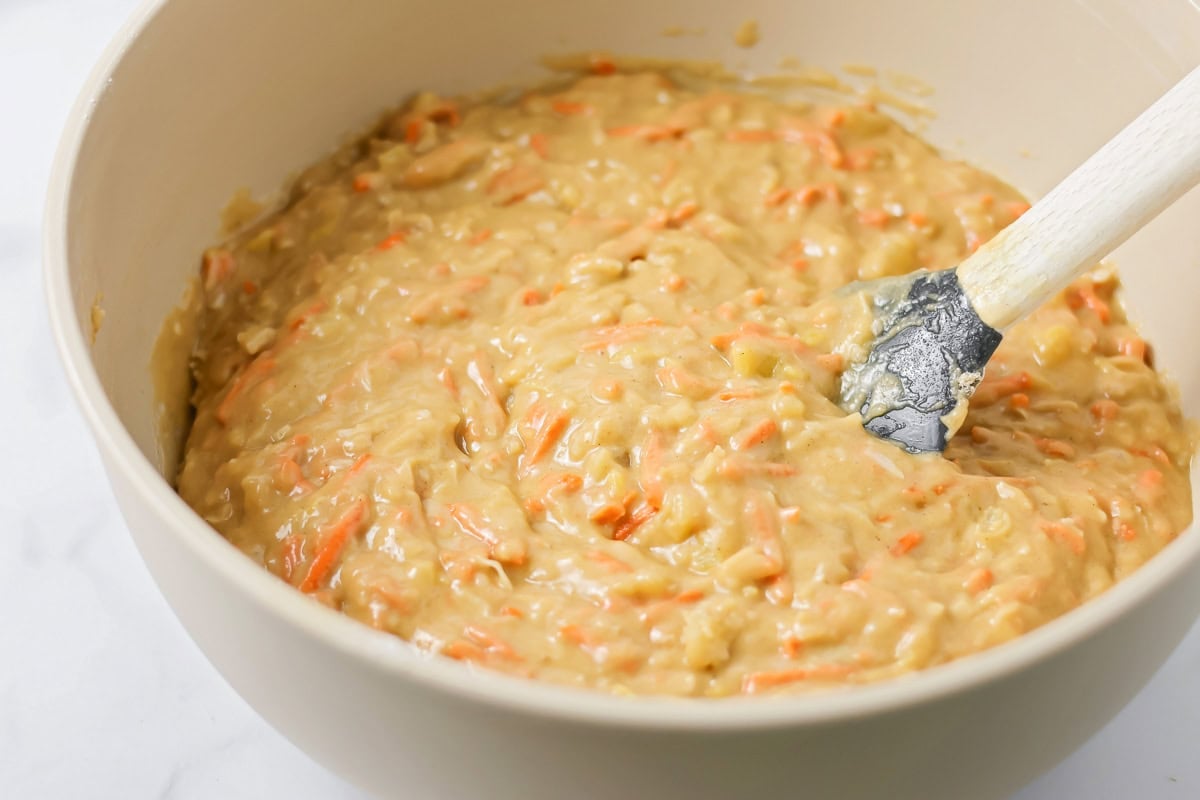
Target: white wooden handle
<point x="1141" y="171"/>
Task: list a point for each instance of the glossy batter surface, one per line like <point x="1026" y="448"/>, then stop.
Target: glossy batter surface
<point x="549" y="387"/>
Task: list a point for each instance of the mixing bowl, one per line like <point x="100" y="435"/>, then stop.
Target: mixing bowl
<point x="196" y="98"/>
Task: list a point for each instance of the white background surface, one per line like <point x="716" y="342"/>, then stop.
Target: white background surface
<point x="102" y="695"/>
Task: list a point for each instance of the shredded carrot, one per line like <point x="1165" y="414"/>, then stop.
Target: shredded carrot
<point x="249" y="287"/>
<point x="568" y="108"/>
<point x="1068" y="535"/>
<point x="754" y="682"/>
<point x="979" y="580"/>
<point x="629" y="525"/>
<point x="873" y="217"/>
<point x="918" y="219"/>
<point x="472" y="521"/>
<point x="577" y="635"/>
<point x="995" y="387"/>
<point x="367" y="181"/>
<point x="791" y="646"/>
<point x="491" y="642"/>
<point x="530" y="296"/>
<point x="750" y="135"/>
<point x="756" y="434"/>
<point x="737" y="469"/>
<point x="754" y="330"/>
<point x="608" y="514"/>
<point x="359" y="465"/>
<point x="1155" y="452"/>
<point x="331" y="542"/>
<point x="481" y="236"/>
<point x="1124" y="531"/>
<point x="1055" y="448"/>
<point x="777" y="197"/>
<point x="510" y="611"/>
<point x="674" y="282"/>
<point x="825" y="145"/>
<point x="542" y="429"/>
<point x="291" y="554"/>
<point x="602" y="65"/>
<point x="446" y="377"/>
<point x="1105" y="409"/>
<point x="255" y="371"/>
<point x="834" y="362"/>
<point x="292" y="476"/>
<point x="729" y="395"/>
<point x="1084" y="295"/>
<point x="1132" y="346"/>
<point x="540" y="145"/>
<point x="907" y="543"/>
<point x="514" y="184"/>
<point x="835" y="118"/>
<point x="1018" y="400"/>
<point x="1016" y="209"/>
<point x="610" y="563"/>
<point x="861" y="159"/>
<point x="1150" y="478"/>
<point x="413" y="130"/>
<point x="392" y="241"/>
<point x="613" y="335"/>
<point x="464" y="651"/>
<point x="683" y="212"/>
<point x="650" y="469"/>
<point x="217" y="264"/>
<point x="552" y="484"/>
<point x="987" y="199"/>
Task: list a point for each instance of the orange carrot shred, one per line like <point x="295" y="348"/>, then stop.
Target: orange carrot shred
<point x="391" y="241"/>
<point x="754" y="682"/>
<point x="873" y="217"/>
<point x="540" y="145"/>
<point x="1105" y="409"/>
<point x="569" y="108"/>
<point x="1071" y="537"/>
<point x="650" y="469"/>
<point x="543" y="427"/>
<point x="629" y="525"/>
<point x="256" y="370"/>
<point x="530" y="296"/>
<point x="755" y="435"/>
<point x="332" y="541"/>
<point x="610" y="563"/>
<point x="907" y="543"/>
<point x="607" y="514"/>
<point x="778" y="197"/>
<point x="602" y="65"/>
<point x="750" y="135"/>
<point x="979" y="580"/>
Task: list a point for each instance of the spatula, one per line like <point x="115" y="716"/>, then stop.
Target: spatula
<point x="935" y="331"/>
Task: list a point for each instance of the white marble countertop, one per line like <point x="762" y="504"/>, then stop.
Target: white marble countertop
<point x="102" y="694"/>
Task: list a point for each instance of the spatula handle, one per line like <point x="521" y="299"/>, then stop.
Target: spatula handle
<point x="1141" y="171"/>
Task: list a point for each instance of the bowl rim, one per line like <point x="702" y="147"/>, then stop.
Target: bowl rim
<point x="388" y="654"/>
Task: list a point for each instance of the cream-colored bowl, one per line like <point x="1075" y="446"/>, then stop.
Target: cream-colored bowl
<point x="199" y="97"/>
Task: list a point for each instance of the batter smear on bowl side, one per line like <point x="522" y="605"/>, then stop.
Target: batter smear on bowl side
<point x="551" y="387"/>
